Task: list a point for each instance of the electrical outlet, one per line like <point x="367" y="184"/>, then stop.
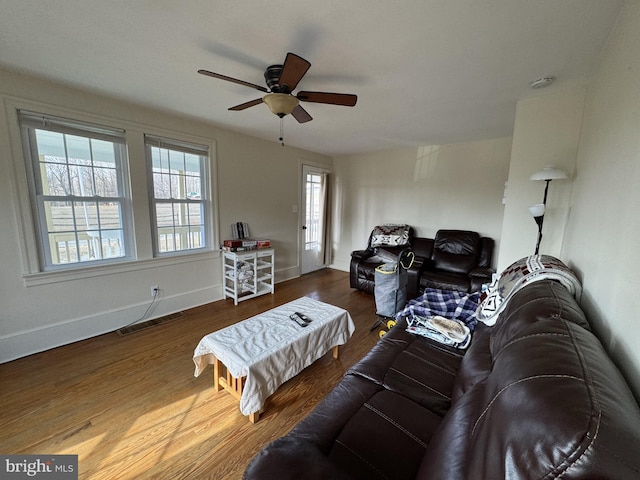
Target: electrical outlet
<point x="155" y="291"/>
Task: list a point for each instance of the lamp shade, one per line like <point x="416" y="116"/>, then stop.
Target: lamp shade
<point x="536" y="210"/>
<point x="280" y="104"/>
<point x="549" y="173"/>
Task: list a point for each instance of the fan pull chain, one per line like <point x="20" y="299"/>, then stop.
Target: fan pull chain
<point x="281" y="131"/>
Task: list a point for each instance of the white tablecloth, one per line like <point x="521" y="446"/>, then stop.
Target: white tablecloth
<point x="270" y="348"/>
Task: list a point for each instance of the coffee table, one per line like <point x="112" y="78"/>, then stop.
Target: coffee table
<point x="252" y="358"/>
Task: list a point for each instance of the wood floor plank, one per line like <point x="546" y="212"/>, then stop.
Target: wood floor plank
<point x="130" y="407"/>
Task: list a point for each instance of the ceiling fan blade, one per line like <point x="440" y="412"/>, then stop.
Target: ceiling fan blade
<point x="233" y="80"/>
<point x="293" y="70"/>
<point x="345" y="99"/>
<point x="301" y="115"/>
<point x="242" y="106"/>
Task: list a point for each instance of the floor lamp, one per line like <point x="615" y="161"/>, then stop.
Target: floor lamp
<point x="537" y="211"/>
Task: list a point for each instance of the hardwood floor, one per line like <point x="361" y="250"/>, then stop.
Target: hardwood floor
<point x="130" y="407"/>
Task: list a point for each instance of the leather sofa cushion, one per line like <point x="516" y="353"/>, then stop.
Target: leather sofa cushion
<point x="476" y="364"/>
<point x="534" y="305"/>
<point x="414" y="367"/>
<point x="359" y="431"/>
<point x="447" y="455"/>
<point x="406" y="428"/>
<point x="445" y="281"/>
<point x="422" y="247"/>
<point x="456" y="250"/>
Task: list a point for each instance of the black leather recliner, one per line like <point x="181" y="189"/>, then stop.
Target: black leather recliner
<point x="364" y="262"/>
<point x="455" y="260"/>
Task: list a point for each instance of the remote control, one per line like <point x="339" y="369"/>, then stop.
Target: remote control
<point x="298" y="320"/>
<point x="303" y="317"/>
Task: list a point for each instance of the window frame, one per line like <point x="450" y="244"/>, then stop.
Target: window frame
<point x="202" y="150"/>
<point x="30" y="121"/>
<point x="33" y="274"/>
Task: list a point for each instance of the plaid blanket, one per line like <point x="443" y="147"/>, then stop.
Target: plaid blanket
<point x="446" y="303"/>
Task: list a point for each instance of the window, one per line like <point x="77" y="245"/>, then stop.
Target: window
<point x="77" y="175"/>
<point x="314" y="211"/>
<point x="178" y="195"/>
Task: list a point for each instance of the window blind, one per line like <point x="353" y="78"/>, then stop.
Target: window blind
<point x="71" y="127"/>
<point x="176" y="145"/>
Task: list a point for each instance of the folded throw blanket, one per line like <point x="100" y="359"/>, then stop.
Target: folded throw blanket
<point x="526" y="270"/>
<point x="446" y="303"/>
<point x="390" y="235"/>
<point x="445" y="316"/>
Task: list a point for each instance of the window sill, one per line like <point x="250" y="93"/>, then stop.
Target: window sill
<point x="80" y="273"/>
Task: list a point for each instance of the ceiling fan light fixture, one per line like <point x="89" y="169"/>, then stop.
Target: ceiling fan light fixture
<point x="542" y="82"/>
<point x="280" y="104"/>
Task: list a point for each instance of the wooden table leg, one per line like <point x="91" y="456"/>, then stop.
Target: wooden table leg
<point x="335" y="351"/>
<point x="216" y="374"/>
<point x="223" y="380"/>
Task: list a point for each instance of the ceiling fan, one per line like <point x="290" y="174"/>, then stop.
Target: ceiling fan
<point x="281" y="81"/>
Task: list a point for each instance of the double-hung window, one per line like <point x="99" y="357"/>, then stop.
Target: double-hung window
<point x="79" y="189"/>
<point x="178" y="194"/>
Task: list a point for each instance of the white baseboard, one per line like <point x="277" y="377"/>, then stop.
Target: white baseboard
<point x="341" y="265"/>
<point x="37" y="340"/>
<point x="28" y="342"/>
<point x="287" y="274"/>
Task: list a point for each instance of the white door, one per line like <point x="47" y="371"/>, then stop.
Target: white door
<point x="314" y="194"/>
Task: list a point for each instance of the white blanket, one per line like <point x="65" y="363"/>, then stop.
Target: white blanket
<point x="270" y="348"/>
<point x="523" y="272"/>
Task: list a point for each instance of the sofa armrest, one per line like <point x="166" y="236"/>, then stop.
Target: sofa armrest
<point x="304" y="453"/>
<point x="357" y="257"/>
<point x="362" y="254"/>
<point x="293" y="458"/>
<point x="480" y="276"/>
<point x="413" y="277"/>
<point x="414" y="274"/>
<point x="482" y="272"/>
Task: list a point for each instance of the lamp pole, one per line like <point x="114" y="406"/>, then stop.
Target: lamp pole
<point x="540" y="219"/>
<point x="547" y="174"/>
<point x="546" y="189"/>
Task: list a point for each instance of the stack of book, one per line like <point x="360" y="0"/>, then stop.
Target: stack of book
<point x="240" y="245"/>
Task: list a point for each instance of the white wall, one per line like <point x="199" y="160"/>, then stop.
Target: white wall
<point x="456" y="186"/>
<point x="546" y="132"/>
<point x="257" y="182"/>
<point x="602" y="241"/>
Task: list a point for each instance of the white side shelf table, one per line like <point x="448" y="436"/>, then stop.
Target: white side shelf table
<point x="248" y="274"/>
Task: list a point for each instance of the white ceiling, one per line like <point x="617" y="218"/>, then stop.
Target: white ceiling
<point x="425" y="71"/>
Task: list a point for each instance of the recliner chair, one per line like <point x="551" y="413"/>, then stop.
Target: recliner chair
<point x="455" y="260"/>
<point x="385" y="244"/>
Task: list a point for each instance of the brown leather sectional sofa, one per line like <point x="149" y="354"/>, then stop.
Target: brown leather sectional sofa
<point x="534" y="396"/>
